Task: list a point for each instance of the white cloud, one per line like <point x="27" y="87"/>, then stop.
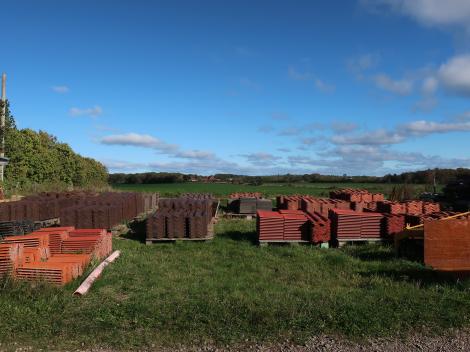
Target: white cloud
<point x="420" y="128"/>
<point x="93" y="112"/>
<point x="308" y="76"/>
<point x="60" y="89"/>
<point x="423" y="127"/>
<point x="309" y="141"/>
<point x="400" y="87"/>
<point x="324" y="87"/>
<point x="340" y="127"/>
<point x="195" y="154"/>
<point x="377" y="137"/>
<point x="430" y="12"/>
<point x="298" y="76"/>
<point x="284" y="150"/>
<point x="465" y="116"/>
<point x="290" y="131"/>
<point x="261" y="159"/>
<point x="138" y="140"/>
<point x="118" y="165"/>
<point x="429" y="85"/>
<point x="160" y="146"/>
<point x="358" y="65"/>
<point x="455" y="74"/>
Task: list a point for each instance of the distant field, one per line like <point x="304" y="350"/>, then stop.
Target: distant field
<point x="230" y="291"/>
<point x="269" y="190"/>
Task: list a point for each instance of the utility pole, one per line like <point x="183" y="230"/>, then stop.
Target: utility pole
<point x="2" y="124"/>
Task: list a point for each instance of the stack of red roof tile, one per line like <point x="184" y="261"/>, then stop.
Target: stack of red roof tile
<point x="51" y="254"/>
<point x="391" y="207"/>
<point x="414" y="207"/>
<point x="431" y="207"/>
<point x="323" y="205"/>
<point x="184" y="217"/>
<point x="356" y="195"/>
<point x="351" y="225"/>
<point x="320" y="227"/>
<point x="9" y="257"/>
<point x="80" y="209"/>
<point x="283" y="225"/>
<point x="270" y="225"/>
<point x="296" y="225"/>
<point x="393" y="224"/>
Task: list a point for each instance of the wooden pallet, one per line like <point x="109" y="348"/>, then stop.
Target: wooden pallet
<point x="48" y="222"/>
<point x="173" y="240"/>
<point x="345" y="241"/>
<point x="210" y="236"/>
<point x="238" y="216"/>
<point x="265" y="243"/>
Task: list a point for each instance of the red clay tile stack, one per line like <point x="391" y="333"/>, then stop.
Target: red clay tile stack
<point x="296" y="225"/>
<point x="54" y="255"/>
<point x="270" y="225"/>
<point x="393" y="224"/>
<point x="356" y="195"/>
<point x="188" y="216"/>
<point x="351" y="225"/>
<point x="80" y="209"/>
<point x="320" y="227"/>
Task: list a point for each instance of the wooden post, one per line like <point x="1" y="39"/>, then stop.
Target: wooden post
<point x="95" y="274"/>
<point x="2" y="123"/>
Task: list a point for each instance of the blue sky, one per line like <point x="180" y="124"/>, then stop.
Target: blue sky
<point x="251" y="87"/>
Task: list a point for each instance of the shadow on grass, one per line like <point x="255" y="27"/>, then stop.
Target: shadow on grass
<point x="240" y="236"/>
<point x="137" y="231"/>
<point x="371" y="252"/>
<point x="423" y="277"/>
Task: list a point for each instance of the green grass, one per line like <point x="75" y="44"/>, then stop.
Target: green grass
<point x="270" y="190"/>
<point x="230" y="291"/>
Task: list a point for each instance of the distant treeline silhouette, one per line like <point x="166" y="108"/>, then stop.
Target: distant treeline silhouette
<point x="439" y="176"/>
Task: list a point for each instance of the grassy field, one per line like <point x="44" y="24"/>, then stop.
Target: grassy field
<point x="230" y="291"/>
<point x="270" y="190"/>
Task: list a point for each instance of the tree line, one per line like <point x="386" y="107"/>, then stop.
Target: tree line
<point x="428" y="177"/>
<point x="39" y="158"/>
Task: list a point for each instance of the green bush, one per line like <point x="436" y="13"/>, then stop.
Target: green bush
<point x="38" y="158"/>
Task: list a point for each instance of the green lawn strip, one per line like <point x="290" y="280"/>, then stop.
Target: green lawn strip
<point x="268" y="190"/>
